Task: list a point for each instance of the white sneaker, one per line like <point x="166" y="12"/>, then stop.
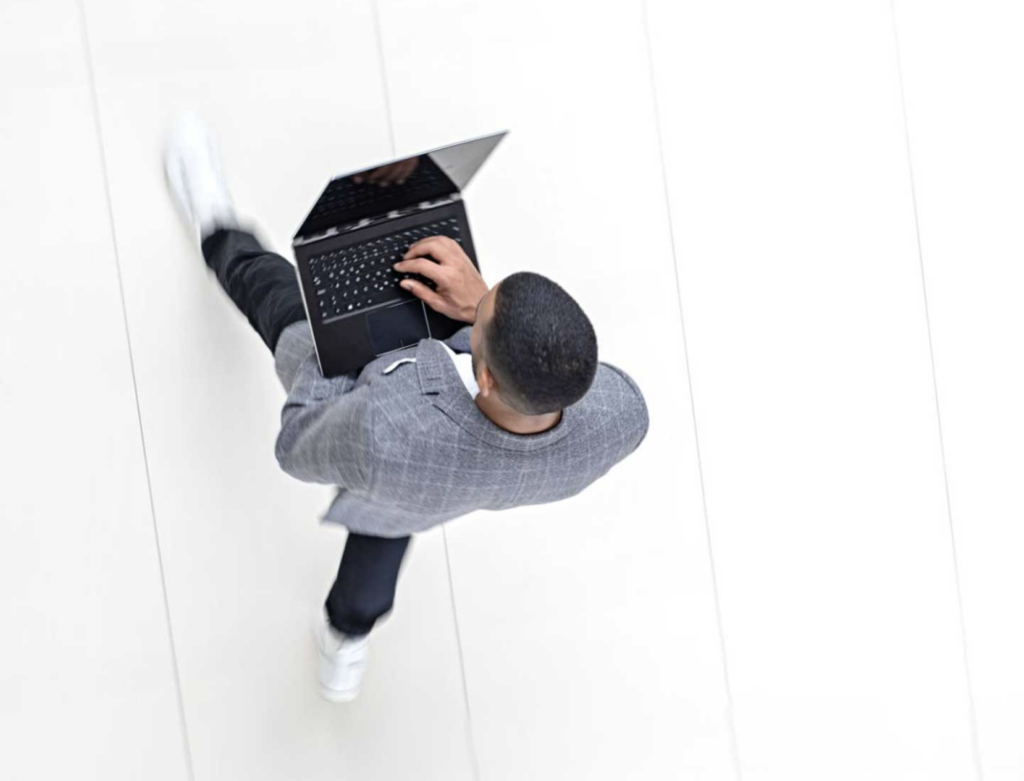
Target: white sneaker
<point x="342" y="660"/>
<point x="193" y="169"/>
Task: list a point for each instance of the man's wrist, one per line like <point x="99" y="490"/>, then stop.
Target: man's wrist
<point x="470" y="315"/>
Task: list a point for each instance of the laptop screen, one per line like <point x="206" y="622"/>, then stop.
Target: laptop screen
<point x="398" y="185"/>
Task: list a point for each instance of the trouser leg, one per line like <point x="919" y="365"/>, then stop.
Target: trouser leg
<point x="263" y="285"/>
<point x="265" y="288"/>
<point x="364" y="590"/>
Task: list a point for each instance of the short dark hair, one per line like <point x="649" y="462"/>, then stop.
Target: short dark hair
<point x="539" y="345"/>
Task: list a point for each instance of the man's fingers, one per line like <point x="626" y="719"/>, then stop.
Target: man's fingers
<point x="439" y="247"/>
<point x="418" y="289"/>
<point x="422" y="266"/>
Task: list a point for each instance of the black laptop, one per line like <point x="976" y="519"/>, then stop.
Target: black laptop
<point x="358" y="229"/>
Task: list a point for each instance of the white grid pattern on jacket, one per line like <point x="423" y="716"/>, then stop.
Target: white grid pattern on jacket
<point x="409" y="448"/>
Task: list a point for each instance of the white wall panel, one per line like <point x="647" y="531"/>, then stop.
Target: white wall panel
<point x="963" y="73"/>
<point x="794" y="226"/>
<point x="87" y="684"/>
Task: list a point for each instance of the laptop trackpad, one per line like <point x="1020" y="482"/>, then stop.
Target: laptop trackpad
<point x="402" y="325"/>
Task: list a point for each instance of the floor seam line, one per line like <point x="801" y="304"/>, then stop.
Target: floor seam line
<point x="462" y="663"/>
<point x="734" y="744"/>
<point x="383" y="75"/>
<point x="975" y="743"/>
<point x="91" y="79"/>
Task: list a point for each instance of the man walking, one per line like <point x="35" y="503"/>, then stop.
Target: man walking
<point x="514" y="409"/>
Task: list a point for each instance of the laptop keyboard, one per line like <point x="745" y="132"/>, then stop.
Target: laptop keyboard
<point x="359" y="276"/>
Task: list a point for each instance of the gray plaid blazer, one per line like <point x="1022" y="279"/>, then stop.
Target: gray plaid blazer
<point x="409" y="449"/>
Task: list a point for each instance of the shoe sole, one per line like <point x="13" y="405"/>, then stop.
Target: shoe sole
<point x="334" y="695"/>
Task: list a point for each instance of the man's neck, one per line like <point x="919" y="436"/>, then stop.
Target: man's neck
<point x="515" y="423"/>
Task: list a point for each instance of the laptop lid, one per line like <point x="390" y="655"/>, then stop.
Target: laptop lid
<point x="396" y="185"/>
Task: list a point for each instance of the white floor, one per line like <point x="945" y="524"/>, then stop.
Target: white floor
<point x="809" y="214"/>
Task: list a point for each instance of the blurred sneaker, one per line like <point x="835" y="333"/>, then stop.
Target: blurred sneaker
<point x="342" y="660"/>
<point x="193" y="169"/>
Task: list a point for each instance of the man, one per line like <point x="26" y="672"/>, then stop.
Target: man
<point x="514" y="409"/>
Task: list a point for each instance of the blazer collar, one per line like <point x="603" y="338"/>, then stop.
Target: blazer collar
<point x="440" y="380"/>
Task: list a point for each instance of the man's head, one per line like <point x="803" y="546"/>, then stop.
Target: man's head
<point x="533" y="345"/>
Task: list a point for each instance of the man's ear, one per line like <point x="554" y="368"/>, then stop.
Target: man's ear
<point x="485" y="382"/>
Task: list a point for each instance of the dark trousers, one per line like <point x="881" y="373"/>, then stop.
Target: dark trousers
<point x="264" y="286"/>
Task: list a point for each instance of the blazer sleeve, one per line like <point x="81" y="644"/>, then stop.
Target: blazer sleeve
<point x="640" y="417"/>
<point x="329" y="442"/>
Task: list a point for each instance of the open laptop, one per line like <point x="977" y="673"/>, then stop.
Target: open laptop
<point x="345" y="249"/>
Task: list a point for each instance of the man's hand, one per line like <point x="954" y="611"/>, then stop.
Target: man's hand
<point x="459" y="285"/>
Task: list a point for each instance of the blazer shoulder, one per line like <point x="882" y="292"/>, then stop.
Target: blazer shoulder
<point x="628" y="380"/>
<point x="643" y="419"/>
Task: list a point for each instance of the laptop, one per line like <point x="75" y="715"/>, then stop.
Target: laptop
<point x="346" y="246"/>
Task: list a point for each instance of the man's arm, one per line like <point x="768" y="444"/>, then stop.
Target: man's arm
<point x="330" y="444"/>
